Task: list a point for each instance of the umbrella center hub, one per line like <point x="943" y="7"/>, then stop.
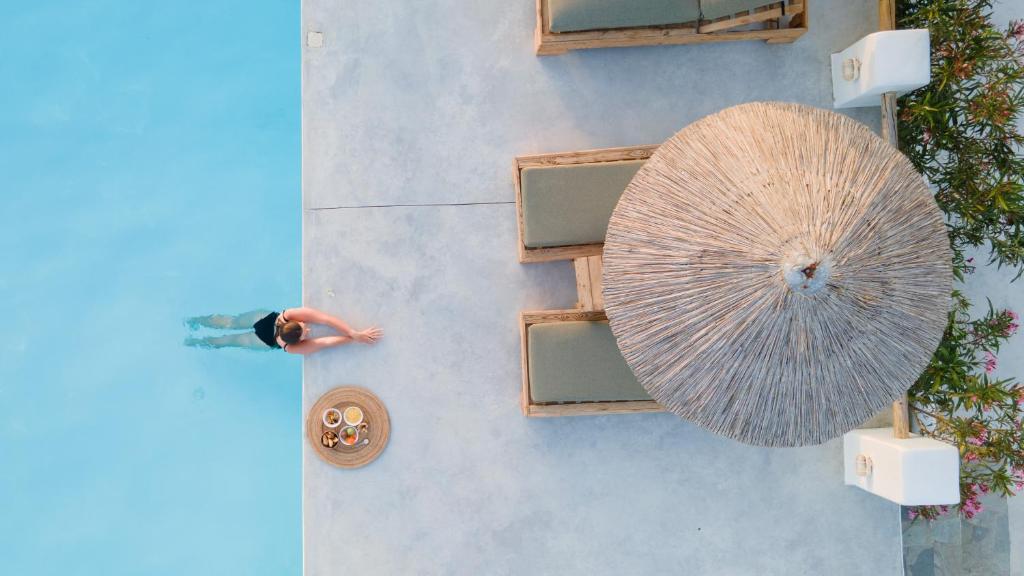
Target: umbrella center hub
<point x="805" y="275"/>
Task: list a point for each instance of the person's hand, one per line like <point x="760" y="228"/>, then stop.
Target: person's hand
<point x="368" y="336"/>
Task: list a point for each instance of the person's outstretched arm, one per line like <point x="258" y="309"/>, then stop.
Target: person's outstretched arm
<point x="306" y="314"/>
<point x="317" y="344"/>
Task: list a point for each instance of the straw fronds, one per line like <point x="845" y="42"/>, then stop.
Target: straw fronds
<point x="777" y="274"/>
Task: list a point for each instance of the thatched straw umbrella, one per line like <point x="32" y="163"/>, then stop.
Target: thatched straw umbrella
<point x="777" y="274"/>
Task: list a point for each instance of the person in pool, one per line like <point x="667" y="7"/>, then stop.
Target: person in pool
<point x="288" y="330"/>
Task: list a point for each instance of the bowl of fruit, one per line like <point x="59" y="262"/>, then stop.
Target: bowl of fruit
<point x="349" y="435"/>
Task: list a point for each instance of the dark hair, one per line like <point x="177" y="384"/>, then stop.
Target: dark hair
<point x="290" y="332"/>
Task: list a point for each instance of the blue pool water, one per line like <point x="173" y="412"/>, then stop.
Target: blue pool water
<point x="149" y="154"/>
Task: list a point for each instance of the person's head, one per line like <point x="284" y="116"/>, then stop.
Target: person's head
<point x="291" y="332"/>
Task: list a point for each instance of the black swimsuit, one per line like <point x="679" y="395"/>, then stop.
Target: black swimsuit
<point x="266" y="329"/>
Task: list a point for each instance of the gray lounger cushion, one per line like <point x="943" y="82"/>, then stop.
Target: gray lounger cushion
<point x="569" y="205"/>
<point x="578" y="362"/>
<point x="712" y="9"/>
<point x="576" y="15"/>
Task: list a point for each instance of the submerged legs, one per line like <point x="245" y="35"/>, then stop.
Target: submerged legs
<point x="247" y="340"/>
<point x="242" y="321"/>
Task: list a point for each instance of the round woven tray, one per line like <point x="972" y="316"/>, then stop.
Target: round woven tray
<point x="378" y="427"/>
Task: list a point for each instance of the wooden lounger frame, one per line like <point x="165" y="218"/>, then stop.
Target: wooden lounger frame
<point x="532" y="409"/>
<point x="588" y="264"/>
<point x="771" y="17"/>
<point x="565" y="159"/>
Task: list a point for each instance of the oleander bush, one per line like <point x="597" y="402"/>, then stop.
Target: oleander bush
<point x="962" y="132"/>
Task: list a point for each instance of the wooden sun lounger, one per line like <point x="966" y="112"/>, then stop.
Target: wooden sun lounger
<point x="588" y="319"/>
<point x="776" y="23"/>
<point x="589" y="308"/>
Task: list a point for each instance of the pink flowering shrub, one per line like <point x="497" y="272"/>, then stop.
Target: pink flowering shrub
<point x="957" y="399"/>
<point x="961" y="132"/>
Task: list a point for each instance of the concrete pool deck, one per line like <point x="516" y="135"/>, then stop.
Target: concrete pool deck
<point x="412" y="113"/>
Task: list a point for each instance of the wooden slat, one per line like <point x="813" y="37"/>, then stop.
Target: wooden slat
<point x="542" y="31"/>
<point x="889" y="133"/>
<point x="595" y="264"/>
<point x="608" y="34"/>
<point x="887" y="21"/>
<point x="561" y="43"/>
<point x="524" y="391"/>
<point x="587" y="156"/>
<point x="556" y="253"/>
<point x="763" y="14"/>
<point x="517" y="184"/>
<point x="548" y="43"/>
<point x="584" y="293"/>
<point x="588" y="283"/>
<point x="886" y="15"/>
<point x="900" y="419"/>
<point x="546" y="316"/>
<point x="593" y="408"/>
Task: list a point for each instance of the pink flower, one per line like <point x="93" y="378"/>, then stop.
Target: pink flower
<point x="990" y="362"/>
<point x="971" y="506"/>
<point x="911" y="514"/>
<point x="970" y="456"/>
<point x="943" y="510"/>
<point x="978" y="439"/>
<point x="1012" y="326"/>
<point x="1017" y="29"/>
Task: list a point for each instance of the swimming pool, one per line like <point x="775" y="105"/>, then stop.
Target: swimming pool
<point x="150" y="158"/>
